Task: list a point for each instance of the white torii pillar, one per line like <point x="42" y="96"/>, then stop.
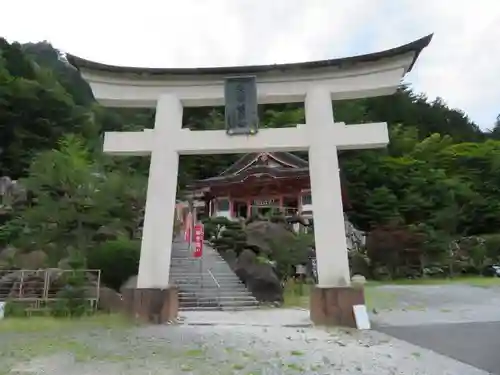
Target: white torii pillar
<point x="321" y="136"/>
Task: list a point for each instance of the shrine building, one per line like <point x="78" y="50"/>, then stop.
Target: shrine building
<point x="263" y="183"/>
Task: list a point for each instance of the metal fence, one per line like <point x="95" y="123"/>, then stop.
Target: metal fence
<point x="38" y="289"/>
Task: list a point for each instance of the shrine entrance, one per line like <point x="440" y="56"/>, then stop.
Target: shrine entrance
<point x="265" y="206"/>
<point x="240" y="209"/>
<point x="314" y="83"/>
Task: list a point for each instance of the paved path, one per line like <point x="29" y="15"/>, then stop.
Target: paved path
<point x="262" y="346"/>
<point x="291" y="318"/>
<point x="459" y="321"/>
<point x="477" y="344"/>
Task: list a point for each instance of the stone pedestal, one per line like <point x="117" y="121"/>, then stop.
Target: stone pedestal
<point x="156" y="306"/>
<point x="333" y="306"/>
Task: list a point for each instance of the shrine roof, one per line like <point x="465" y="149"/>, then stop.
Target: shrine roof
<point x="414" y="47"/>
<point x="258" y="172"/>
<point x="288" y="166"/>
<point x="282" y="157"/>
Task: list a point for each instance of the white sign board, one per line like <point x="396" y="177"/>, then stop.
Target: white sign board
<point x="361" y="316"/>
<point x="2" y="310"/>
<point x="300" y="269"/>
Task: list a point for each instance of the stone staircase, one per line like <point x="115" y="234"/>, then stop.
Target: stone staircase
<point x="208" y="283"/>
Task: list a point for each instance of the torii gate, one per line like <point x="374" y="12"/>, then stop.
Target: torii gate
<point x="320" y="136"/>
<point x="316" y="84"/>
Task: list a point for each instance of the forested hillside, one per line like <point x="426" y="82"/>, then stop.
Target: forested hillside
<point x="438" y="180"/>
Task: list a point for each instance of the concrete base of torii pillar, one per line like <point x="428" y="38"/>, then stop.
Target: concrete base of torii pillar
<point x="151" y="305"/>
<point x="334" y="306"/>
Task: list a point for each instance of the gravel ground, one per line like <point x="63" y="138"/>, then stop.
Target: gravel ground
<point x="410" y="305"/>
<point x="220" y="349"/>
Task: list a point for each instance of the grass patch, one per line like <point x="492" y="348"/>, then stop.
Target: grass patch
<point x="26" y="350"/>
<point x="473" y="281"/>
<point x="48" y="324"/>
<point x="45" y="346"/>
<point x="296" y="295"/>
<point x="378" y="298"/>
<point x="198" y="353"/>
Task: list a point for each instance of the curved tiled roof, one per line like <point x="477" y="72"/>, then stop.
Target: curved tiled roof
<point x="416" y="47"/>
<point x="245" y="160"/>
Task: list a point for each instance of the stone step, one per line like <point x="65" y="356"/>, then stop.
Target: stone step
<point x="200" y="308"/>
<point x="226" y="291"/>
<point x="220" y="292"/>
<point x="218" y="299"/>
<point x="193" y="284"/>
<point x="221" y="299"/>
<point x="185" y="260"/>
<point x="198" y="289"/>
<point x="188" y="287"/>
<point x="244" y="308"/>
<point x="192" y="304"/>
<point x="195" y="302"/>
<point x="220" y="295"/>
<point x="239" y="308"/>
<point x="207" y="282"/>
<point x="188" y="272"/>
<point x="205" y="274"/>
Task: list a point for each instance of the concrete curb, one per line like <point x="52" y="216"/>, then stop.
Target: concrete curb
<point x="298" y="325"/>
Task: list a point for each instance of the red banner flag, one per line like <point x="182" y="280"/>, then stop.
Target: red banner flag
<point x="199" y="234"/>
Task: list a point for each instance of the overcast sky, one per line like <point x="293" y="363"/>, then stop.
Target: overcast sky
<point x="462" y="64"/>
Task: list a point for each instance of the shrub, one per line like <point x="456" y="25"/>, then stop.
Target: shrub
<point x="14" y="310"/>
<point x="71" y="299"/>
<point x="393" y="247"/>
<point x="225" y="234"/>
<point x="290" y="252"/>
<point x="359" y="264"/>
<point x="117" y="259"/>
<point x="492" y="243"/>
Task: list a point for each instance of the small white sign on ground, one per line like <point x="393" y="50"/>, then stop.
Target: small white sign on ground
<point x="2" y="310"/>
<point x="361" y="316"/>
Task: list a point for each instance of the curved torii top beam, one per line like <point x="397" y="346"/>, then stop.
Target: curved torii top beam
<point x="359" y="76"/>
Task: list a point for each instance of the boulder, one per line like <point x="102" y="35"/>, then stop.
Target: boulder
<point x="4" y="265"/>
<point x="33" y="260"/>
<point x="262" y="234"/>
<point x="131" y="283"/>
<point x="8" y="253"/>
<point x="359" y="264"/>
<point x="64" y="264"/>
<point x="260" y="278"/>
<point x="230" y="257"/>
<point x="105" y="233"/>
<point x="109" y="299"/>
<point x="11" y="192"/>
<point x="358" y="281"/>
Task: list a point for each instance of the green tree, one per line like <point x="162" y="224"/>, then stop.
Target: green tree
<point x="65" y="182"/>
<point x="35" y="111"/>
